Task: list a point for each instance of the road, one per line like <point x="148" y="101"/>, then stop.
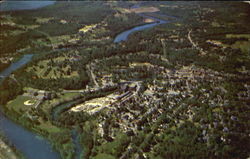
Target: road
<point x="194" y="44"/>
<point x="92" y="75"/>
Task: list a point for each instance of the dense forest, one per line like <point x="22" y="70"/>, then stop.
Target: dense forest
<point x="177" y="90"/>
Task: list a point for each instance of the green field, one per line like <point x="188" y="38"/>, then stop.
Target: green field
<point x="184" y="84"/>
<point x="18" y="104"/>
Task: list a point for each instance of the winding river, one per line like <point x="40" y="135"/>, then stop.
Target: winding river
<point x="124" y="35"/>
<point x="25" y="59"/>
<point x="32" y="146"/>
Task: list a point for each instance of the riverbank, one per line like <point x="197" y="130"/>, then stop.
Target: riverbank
<point x="61" y="141"/>
<point x="145" y="123"/>
<point x="149" y="14"/>
<point x="26" y="140"/>
<point x="60" y="138"/>
<point x="15" y="134"/>
<point x="7" y="151"/>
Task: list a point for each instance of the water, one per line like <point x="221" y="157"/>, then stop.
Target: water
<point x="25" y="59"/>
<point x="25" y="141"/>
<point x="75" y="135"/>
<point x="60" y="108"/>
<point x="31" y="146"/>
<point x="124" y="35"/>
<point x="76" y="140"/>
<point x="23" y="5"/>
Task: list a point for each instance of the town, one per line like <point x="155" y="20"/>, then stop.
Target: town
<point x="138" y="80"/>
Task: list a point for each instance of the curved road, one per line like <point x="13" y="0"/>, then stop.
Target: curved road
<point x="26" y="141"/>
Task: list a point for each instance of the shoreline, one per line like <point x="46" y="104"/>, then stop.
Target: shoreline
<point x="7" y="113"/>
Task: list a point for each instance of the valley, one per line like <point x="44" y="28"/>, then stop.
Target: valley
<point x="127" y="80"/>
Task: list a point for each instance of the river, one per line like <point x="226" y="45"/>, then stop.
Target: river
<point x="32" y="146"/>
<point x="16" y="65"/>
<point x="23" y="5"/>
<point x="124" y="35"/>
<point x="28" y="143"/>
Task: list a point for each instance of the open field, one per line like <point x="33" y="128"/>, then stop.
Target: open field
<point x="175" y="90"/>
<point x="19" y="104"/>
<point x="43" y="71"/>
<point x="144" y="10"/>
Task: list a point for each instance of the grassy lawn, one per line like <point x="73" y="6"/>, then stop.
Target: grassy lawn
<point x="101" y="156"/>
<point x="55" y="40"/>
<point x="238" y="36"/>
<point x="18" y="106"/>
<point x="45" y="71"/>
<point x="33" y="28"/>
<point x="48" y="127"/>
<point x="69" y="95"/>
<point x="65" y="96"/>
<point x="18" y="103"/>
<point x="48" y="104"/>
<point x="243" y="45"/>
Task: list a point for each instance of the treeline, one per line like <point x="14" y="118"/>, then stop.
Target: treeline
<point x="209" y="134"/>
<point x="55" y="84"/>
<point x="3" y="66"/>
<point x="120" y="22"/>
<point x="17" y="153"/>
<point x="68" y="119"/>
<point x="9" y="89"/>
<point x="31" y="79"/>
<point x="61" y="141"/>
<point x="11" y="44"/>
